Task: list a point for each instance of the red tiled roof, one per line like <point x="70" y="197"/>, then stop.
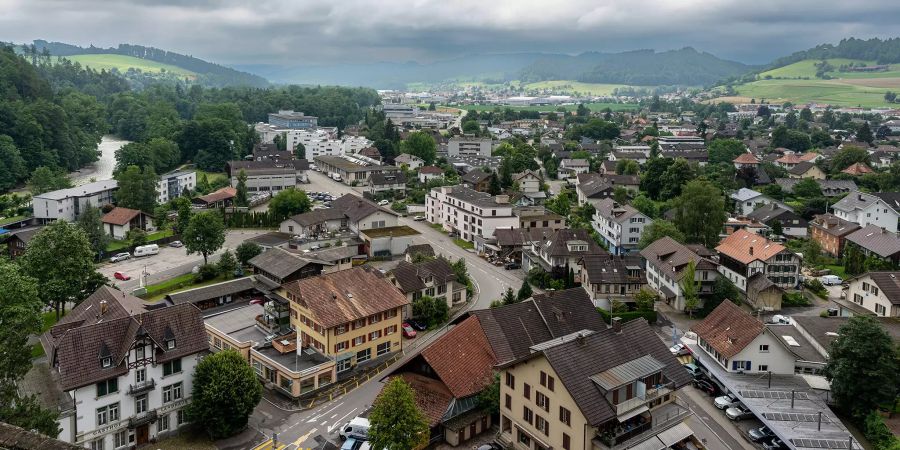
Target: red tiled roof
<point x="120" y="216"/>
<point x="462" y="358"/>
<point x="431" y="169"/>
<point x="746" y="158"/>
<point x="857" y="169"/>
<point x="789" y="159"/>
<point x="728" y="329"/>
<point x="746" y="247"/>
<point x="219" y="195"/>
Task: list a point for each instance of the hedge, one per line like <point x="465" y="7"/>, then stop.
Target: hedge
<point x="627" y="316"/>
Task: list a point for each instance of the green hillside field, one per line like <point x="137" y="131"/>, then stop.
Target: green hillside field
<point x="122" y="63"/>
<point x="570" y="86"/>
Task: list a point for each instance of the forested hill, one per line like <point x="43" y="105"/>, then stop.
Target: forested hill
<point x="686" y="67"/>
<point x="209" y="74"/>
<point x="881" y="51"/>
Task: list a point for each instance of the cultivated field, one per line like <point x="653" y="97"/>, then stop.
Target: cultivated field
<point x="122" y="63"/>
<point x="591" y="106"/>
<point x="570" y="86"/>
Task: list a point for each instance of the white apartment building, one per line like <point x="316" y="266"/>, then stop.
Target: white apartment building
<point x="865" y="209"/>
<point x="469" y="146"/>
<point x="621" y="226"/>
<point x="124" y="372"/>
<point x="744" y="254"/>
<point x="876" y="292"/>
<point x="67" y="204"/>
<point x="468" y="212"/>
<point x="172" y="185"/>
<point x="667" y="260"/>
<point x="353" y="144"/>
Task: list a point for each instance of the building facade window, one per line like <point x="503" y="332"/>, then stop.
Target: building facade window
<point x="363" y="356"/>
<point x="163" y="423"/>
<point x="565" y="416"/>
<point x="171" y="367"/>
<point x="107" y="387"/>
<point x="383" y="348"/>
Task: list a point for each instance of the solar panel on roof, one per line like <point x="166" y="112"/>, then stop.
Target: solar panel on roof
<point x="792" y="417"/>
<point x="821" y="443"/>
<point x="774" y="394"/>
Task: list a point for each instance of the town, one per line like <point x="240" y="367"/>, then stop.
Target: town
<point x="229" y="266"/>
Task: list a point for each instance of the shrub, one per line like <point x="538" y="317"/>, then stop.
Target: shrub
<point x="794" y="299"/>
<point x="206" y="272"/>
<point x="650" y="316"/>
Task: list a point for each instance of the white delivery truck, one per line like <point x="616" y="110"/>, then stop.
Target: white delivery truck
<point x="146" y="250"/>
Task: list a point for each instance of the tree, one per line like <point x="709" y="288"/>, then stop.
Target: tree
<point x="864" y="133"/>
<point x="777" y="228"/>
<point x="806" y="114"/>
<point x="225" y="393"/>
<point x="247" y="251"/>
<point x="494" y="186"/>
<point x="627" y="167"/>
<point x="300" y="151"/>
<point x="184" y="211"/>
<point x="725" y="150"/>
<point x="620" y="195"/>
<point x="700" y="212"/>
<point x="240" y="198"/>
<point x="848" y="156"/>
<point x="659" y="229"/>
<point x="689" y="287"/>
<point x="863" y="367"/>
<point x="89" y="221"/>
<point x="202" y="183"/>
<point x="137" y="188"/>
<point x="204" y="234"/>
<point x="645" y="299"/>
<point x="509" y="297"/>
<point x="44" y="179"/>
<point x="807" y="188"/>
<point x="137" y="237"/>
<point x="227" y="264"/>
<point x="421" y="144"/>
<point x="651" y="178"/>
<point x="430" y="310"/>
<point x="524" y="291"/>
<point x="61" y="259"/>
<point x="489" y="397"/>
<point x="289" y="202"/>
<point x="812" y="252"/>
<point x="646" y="206"/>
<point x="396" y="423"/>
<point x="12" y="166"/>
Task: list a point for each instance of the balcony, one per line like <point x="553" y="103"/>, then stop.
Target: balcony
<point x="636" y="402"/>
<point x="142" y="419"/>
<point x="633" y="432"/>
<point x="140" y="388"/>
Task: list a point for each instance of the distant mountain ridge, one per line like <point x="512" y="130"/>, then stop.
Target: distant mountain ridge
<point x="210" y="74"/>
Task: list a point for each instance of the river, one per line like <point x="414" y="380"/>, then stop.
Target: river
<point x="102" y="169"/>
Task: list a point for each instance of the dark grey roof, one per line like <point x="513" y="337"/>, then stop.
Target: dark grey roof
<point x="347" y="206"/>
<point x="801" y="168"/>
<point x="513" y="329"/>
<point x="789" y="336"/>
<point x="834" y="225"/>
<point x="889" y="283"/>
<point x="568" y="311"/>
<point x="556" y="244"/>
<point x="381" y="179"/>
<point x="612" y="268"/>
<point x="271" y="239"/>
<point x="410" y="276"/>
<point x="591" y="184"/>
<point x="212" y="291"/>
<point x="420" y="249"/>
<point x="577" y="360"/>
<point x="772" y="211"/>
<point x="475" y="176"/>
<point x="877" y="240"/>
<point x="519" y="236"/>
<point x="15" y="438"/>
<point x="824" y="330"/>
<point x="474" y="197"/>
<point x="891" y="198"/>
<point x="609" y="209"/>
<point x="280" y="262"/>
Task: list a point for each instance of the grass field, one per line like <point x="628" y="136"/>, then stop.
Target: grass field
<point x="122" y="63"/>
<point x="591" y="106"/>
<point x="570" y="86"/>
<point x="834" y="92"/>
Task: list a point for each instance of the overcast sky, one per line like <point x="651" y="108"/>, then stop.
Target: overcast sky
<point x="300" y="32"/>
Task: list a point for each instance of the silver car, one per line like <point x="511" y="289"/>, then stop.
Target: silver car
<point x="726" y="401"/>
<point x="738" y="412"/>
<point x="120" y="257"/>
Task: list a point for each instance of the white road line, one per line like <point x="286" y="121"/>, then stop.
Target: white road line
<point x="339" y="421"/>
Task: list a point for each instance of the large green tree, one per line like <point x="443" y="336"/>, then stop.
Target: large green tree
<point x="225" y="393"/>
<point x="421" y="144"/>
<point x="240" y="198"/>
<point x="863" y="367"/>
<point x="89" y="221"/>
<point x="396" y="423"/>
<point x="689" y="287"/>
<point x="204" y="234"/>
<point x="848" y="156"/>
<point x="61" y="259"/>
<point x="652" y="176"/>
<point x="674" y="178"/>
<point x="725" y="150"/>
<point x="45" y="179"/>
<point x="246" y="251"/>
<point x="12" y="166"/>
<point x="658" y="229"/>
<point x="289" y="202"/>
<point x="137" y="188"/>
<point x="700" y="212"/>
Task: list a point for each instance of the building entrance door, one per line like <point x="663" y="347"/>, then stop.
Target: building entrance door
<point x="143" y="434"/>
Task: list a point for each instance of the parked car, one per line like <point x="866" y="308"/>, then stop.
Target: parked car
<point x="257" y="301"/>
<point x="121" y="276"/>
<point x="512" y="266"/>
<point x="774" y="444"/>
<point x="357" y="428"/>
<point x="120" y="257"/>
<point x="738" y="412"/>
<point x="760" y="434"/>
<point x="408" y="331"/>
<point x="706" y="386"/>
<point x="383" y="203"/>
<point x="680" y="350"/>
<point x="419" y="218"/>
<point x="780" y="319"/>
<point x="726" y="401"/>
<point x="176" y="244"/>
<point x="831" y="280"/>
<point x="693" y="369"/>
<point x="418" y="324"/>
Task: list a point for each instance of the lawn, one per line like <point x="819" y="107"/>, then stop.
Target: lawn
<point x="571" y="87"/>
<point x="48" y="319"/>
<point x="807" y="68"/>
<point x="834" y="92"/>
<point x="837" y="270"/>
<point x="10" y="220"/>
<point x="180" y="283"/>
<point x="212" y="176"/>
<point x="465" y="245"/>
<point x="591" y="106"/>
<point x="122" y="63"/>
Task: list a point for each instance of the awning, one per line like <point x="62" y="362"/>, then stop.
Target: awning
<point x="633" y="412"/>
<point x="650" y="444"/>
<point x="675" y="434"/>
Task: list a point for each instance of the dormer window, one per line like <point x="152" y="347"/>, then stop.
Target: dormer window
<point x="106" y="362"/>
<point x="170" y="344"/>
<point x="169" y="338"/>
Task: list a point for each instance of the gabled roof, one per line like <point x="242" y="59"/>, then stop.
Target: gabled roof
<point x="462" y="358"/>
<point x="340" y="297"/>
<point x="857" y="201"/>
<point x="432" y="396"/>
<point x="612" y="268"/>
<point x="567" y="311"/>
<point x="420" y="249"/>
<point x="410" y="276"/>
<point x="772" y="211"/>
<point x="801" y="168"/>
<point x="728" y="329"/>
<point x="475" y="176"/>
<point x="519" y="236"/>
<point x="431" y="170"/>
<point x="857" y="169"/>
<point x="746" y="158"/>
<point x="221" y="194"/>
<point x="280" y="262"/>
<point x="120" y="216"/>
<point x="557" y="243"/>
<point x="877" y="240"/>
<point x="380" y="179"/>
<point x="609" y="209"/>
<point x="747" y="247"/>
<point x="891" y="198"/>
<point x="834" y="225"/>
<point x="347" y="206"/>
<point x="888" y="282"/>
<point x="591" y="184"/>
<point x="670" y="256"/>
<point x="744" y="194"/>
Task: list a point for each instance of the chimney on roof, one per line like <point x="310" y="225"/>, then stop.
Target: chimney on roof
<point x="580" y="338"/>
<point x="617" y="324"/>
<point x="861" y="198"/>
<point x="103" y="307"/>
<point x="751" y="250"/>
<point x="333" y="296"/>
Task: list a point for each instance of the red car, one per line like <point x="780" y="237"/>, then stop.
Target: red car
<point x="408" y="331"/>
<point x="121" y="276"/>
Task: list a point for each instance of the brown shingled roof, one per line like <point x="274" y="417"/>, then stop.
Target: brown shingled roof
<point x="728" y="329"/>
<point x="857" y="169"/>
<point x="340" y="297"/>
<point x="746" y="158"/>
<point x="120" y="216"/>
<point x="746" y="247"/>
<point x="462" y="358"/>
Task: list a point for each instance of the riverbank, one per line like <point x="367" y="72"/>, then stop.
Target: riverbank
<point x="102" y="169"/>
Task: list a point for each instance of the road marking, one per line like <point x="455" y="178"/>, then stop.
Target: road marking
<point x="339" y="421"/>
<point x="333" y="416"/>
<point x="303" y="438"/>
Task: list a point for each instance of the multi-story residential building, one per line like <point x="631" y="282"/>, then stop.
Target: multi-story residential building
<point x="874" y="241"/>
<point x="68" y="204"/>
<point x="666" y="261"/>
<point x="830" y="232"/>
<point x="412" y="162"/>
<point x="346" y="212"/>
<point x="174" y="184"/>
<point x="352" y="315"/>
<point x="621" y="226"/>
<point x="864" y="209"/>
<point x="469" y="145"/>
<point x="746" y="159"/>
<point x="806" y="170"/>
<point x="292" y="120"/>
<point x="608" y="277"/>
<point x="469" y="213"/>
<point x="354" y="144"/>
<point x="267" y="175"/>
<point x="477" y="179"/>
<point x="744" y="254"/>
<point x="124" y="372"/>
<point x="747" y="200"/>
<point x="876" y="293"/>
<point x="539" y="217"/>
<point x="529" y="181"/>
<point x="570" y="168"/>
<point x="593" y="188"/>
<point x="434" y="278"/>
<point x="429" y="173"/>
<point x="559" y="252"/>
<point x="119" y="221"/>
<point x="388" y="182"/>
<point x="792" y="224"/>
<point x="606" y="389"/>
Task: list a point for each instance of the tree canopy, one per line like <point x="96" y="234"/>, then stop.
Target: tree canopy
<point x="225" y="393"/>
<point x="204" y="234"/>
<point x="289" y="202"/>
<point x="396" y="423"/>
<point x="700" y="212"/>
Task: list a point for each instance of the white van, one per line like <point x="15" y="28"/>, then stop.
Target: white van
<point x="831" y="280"/>
<point x="357" y="428"/>
<point x="146" y="250"/>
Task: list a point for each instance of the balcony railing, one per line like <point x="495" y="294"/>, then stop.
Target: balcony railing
<point x="663" y="418"/>
<point x="142" y="419"/>
<point x="649" y="395"/>
<point x="144" y="386"/>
